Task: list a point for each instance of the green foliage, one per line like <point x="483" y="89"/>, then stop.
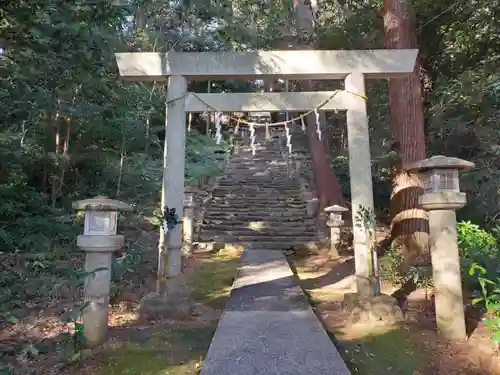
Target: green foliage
<point x="394" y="270"/>
<point x="478" y="246"/>
<point x="490" y="297"/>
<point x="125" y="270"/>
<point x="200" y="157"/>
<point x="71" y="129"/>
<point x="366" y="218"/>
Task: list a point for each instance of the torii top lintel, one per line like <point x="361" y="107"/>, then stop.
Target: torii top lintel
<point x="308" y="64"/>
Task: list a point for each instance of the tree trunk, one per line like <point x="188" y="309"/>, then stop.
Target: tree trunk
<point x="409" y="224"/>
<point x="327" y="186"/>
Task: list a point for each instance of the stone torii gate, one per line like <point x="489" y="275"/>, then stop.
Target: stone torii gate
<point x="352" y="66"/>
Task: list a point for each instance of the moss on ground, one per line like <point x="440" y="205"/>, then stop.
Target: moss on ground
<point x="211" y="283"/>
<point x="381" y="351"/>
<point x="174" y="350"/>
<point x="134" y="360"/>
<point x="177" y="351"/>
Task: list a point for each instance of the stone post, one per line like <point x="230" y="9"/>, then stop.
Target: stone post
<point x="173" y="178"/>
<point x="221" y="158"/>
<point x="188" y="221"/>
<point x="172" y="298"/>
<point x="312" y="204"/>
<point x="335" y="224"/>
<point x="99" y="240"/>
<point x="361" y="181"/>
<point x="441" y="198"/>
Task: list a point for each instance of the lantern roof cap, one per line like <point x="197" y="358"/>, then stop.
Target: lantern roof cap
<point x="336" y="208"/>
<point x="101" y="203"/>
<point x="439" y="162"/>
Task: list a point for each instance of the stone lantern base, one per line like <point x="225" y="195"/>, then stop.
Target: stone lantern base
<point x="373" y="308"/>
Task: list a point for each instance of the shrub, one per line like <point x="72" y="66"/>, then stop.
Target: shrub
<point x="490" y="297"/>
<point x="478" y="246"/>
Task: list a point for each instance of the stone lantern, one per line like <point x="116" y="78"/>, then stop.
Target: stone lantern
<point x="99" y="240"/>
<point x="312" y="203"/>
<point x="188" y="219"/>
<point x="220" y="157"/>
<point x="441" y="198"/>
<point x="335" y="223"/>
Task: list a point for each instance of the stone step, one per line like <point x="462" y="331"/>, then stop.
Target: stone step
<point x="262" y="198"/>
<point x="253" y="217"/>
<point x="258" y="205"/>
<point x="281" y="183"/>
<point x="269" y="167"/>
<point x="264" y="191"/>
<point x="263" y="215"/>
<point x="268" y="245"/>
<point x="261" y="188"/>
<point x="246" y="232"/>
<point x="257" y="160"/>
<point x="258" y="174"/>
<point x="256" y="199"/>
<point x="267" y="184"/>
<point x="280" y="180"/>
<point x="258" y="210"/>
<point x="246" y="226"/>
<point x="262" y="184"/>
<point x="222" y="225"/>
<point x="255" y="238"/>
<point x="255" y="194"/>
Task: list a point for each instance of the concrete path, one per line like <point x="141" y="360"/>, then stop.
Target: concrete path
<point x="268" y="327"/>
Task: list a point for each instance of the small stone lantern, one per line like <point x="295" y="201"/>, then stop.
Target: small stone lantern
<point x="441" y="198"/>
<point x="99" y="241"/>
<point x="188" y="220"/>
<point x="220" y="157"/>
<point x="312" y="203"/>
<point x="335" y="223"/>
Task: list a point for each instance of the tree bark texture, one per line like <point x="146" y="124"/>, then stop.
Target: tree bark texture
<point x="409" y="224"/>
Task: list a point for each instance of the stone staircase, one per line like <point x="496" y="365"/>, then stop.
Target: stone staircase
<point x="256" y="204"/>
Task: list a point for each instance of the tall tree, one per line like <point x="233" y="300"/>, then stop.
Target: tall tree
<point x="327" y="185"/>
<point x="409" y="222"/>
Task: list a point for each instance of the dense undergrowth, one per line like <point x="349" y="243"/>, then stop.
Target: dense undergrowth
<point x="39" y="256"/>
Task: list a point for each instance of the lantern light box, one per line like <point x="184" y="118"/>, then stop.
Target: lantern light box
<point x="441" y="180"/>
<point x="101" y="215"/>
<point x="100" y="223"/>
<point x="440" y="173"/>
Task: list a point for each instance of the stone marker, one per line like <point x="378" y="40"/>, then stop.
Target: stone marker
<point x="441" y="198"/>
<point x="312" y="203"/>
<point x="335" y="224"/>
<point x="99" y="240"/>
<point x="188" y="221"/>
